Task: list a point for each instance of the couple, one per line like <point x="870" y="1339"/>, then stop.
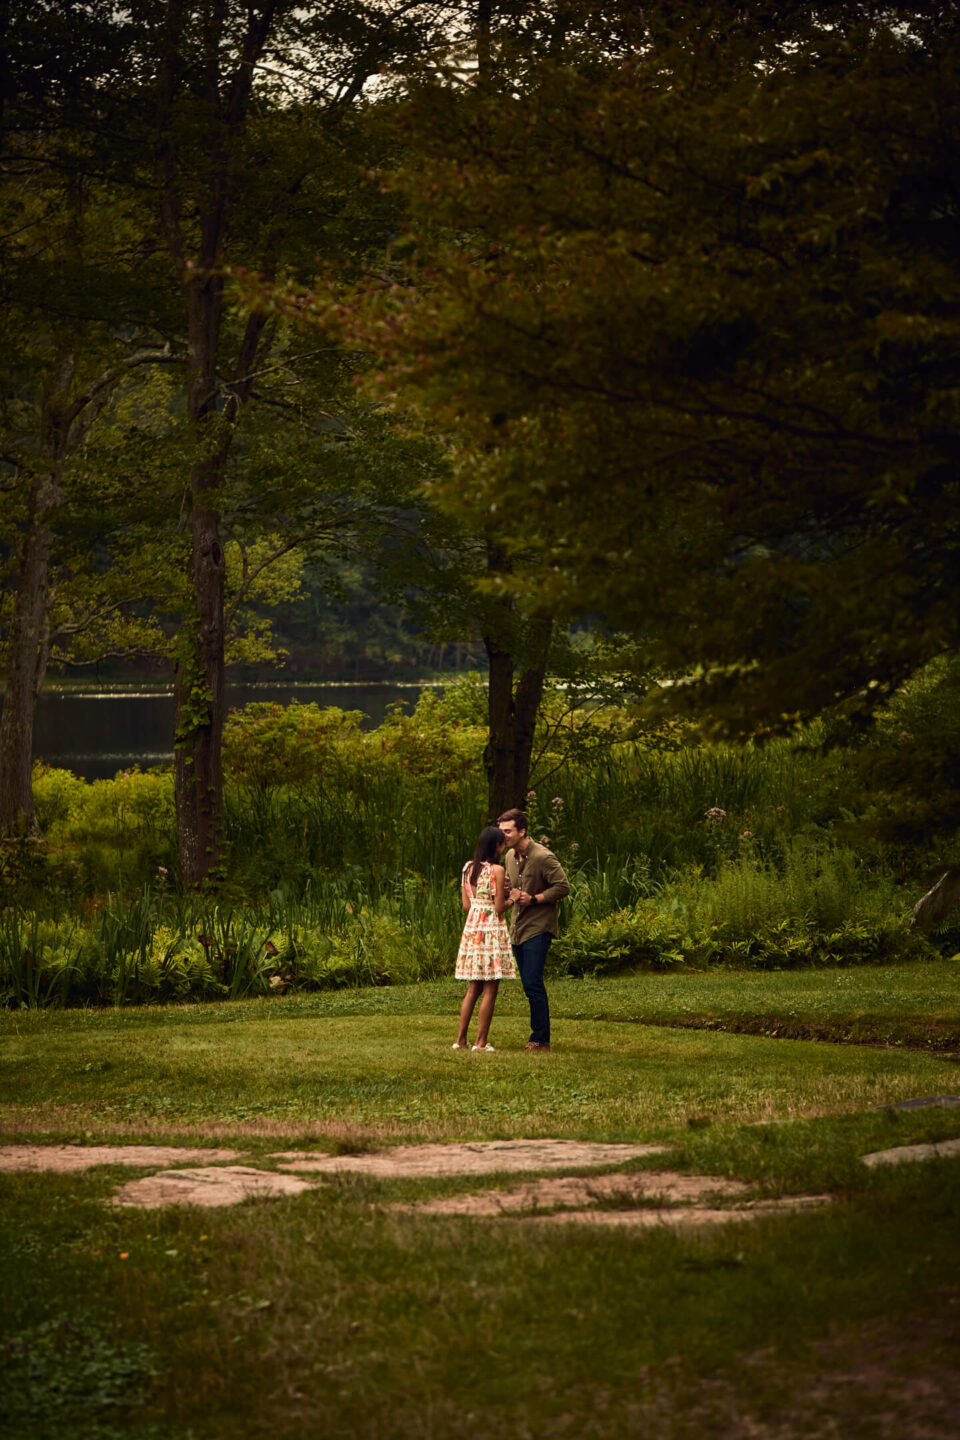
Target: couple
<point x="530" y="883"/>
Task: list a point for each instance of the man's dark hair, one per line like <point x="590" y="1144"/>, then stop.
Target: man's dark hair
<point x="518" y="817"/>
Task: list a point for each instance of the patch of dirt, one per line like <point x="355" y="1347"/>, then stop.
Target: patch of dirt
<point x="905" y="1154"/>
<point x="650" y="1218"/>
<point x="69" y="1158"/>
<point x="228" y="1185"/>
<point x="580" y="1190"/>
<point x="484" y="1157"/>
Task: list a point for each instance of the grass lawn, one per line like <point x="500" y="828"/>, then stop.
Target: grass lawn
<point x="330" y="1313"/>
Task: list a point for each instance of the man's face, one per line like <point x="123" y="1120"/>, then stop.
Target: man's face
<point x="511" y="833"/>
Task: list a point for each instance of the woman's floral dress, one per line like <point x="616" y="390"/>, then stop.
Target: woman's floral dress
<point x="485" y="952"/>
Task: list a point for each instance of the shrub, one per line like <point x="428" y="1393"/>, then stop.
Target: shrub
<point x="627" y="939"/>
<point x="637" y="939"/>
<point x="825" y="886"/>
<point x="268" y="745"/>
<point x="55" y="794"/>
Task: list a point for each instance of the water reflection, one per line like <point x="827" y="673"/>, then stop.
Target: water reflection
<point x="95" y="733"/>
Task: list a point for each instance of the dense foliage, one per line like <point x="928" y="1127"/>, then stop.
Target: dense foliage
<point x="345" y="845"/>
<point x="685" y="303"/>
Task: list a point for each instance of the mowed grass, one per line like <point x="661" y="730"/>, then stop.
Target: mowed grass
<point x="372" y="1059"/>
<point x="381" y="1058"/>
<point x="331" y="1313"/>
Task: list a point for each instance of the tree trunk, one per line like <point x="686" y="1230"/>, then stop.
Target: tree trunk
<point x="513" y="717"/>
<point x="526" y="704"/>
<point x="937" y="904"/>
<point x="199" y="677"/>
<point x="484" y="47"/>
<point x="65" y="418"/>
<point x="28" y="628"/>
<point x="198" y="707"/>
<point x="198" y="691"/>
<point x="498" y="754"/>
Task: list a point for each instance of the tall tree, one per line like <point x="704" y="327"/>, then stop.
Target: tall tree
<point x="236" y="121"/>
<point x="253" y="114"/>
<point x="82" y="312"/>
<point x="702" y="339"/>
<point x="703" y="336"/>
<point x="453" y="578"/>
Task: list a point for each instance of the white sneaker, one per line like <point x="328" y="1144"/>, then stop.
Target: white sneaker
<point x="482" y="1047"/>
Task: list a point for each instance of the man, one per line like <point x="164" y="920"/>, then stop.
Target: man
<point x="537" y="882"/>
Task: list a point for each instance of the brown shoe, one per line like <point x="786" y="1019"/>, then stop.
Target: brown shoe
<point x="536" y="1045"/>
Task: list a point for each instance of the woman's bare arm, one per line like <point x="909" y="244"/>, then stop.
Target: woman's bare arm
<point x="466" y="893"/>
<point x="501" y="898"/>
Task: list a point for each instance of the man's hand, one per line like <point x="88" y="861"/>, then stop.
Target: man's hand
<point x="521" y="898"/>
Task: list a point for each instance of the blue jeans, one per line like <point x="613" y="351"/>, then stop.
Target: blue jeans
<point x="531" y="957"/>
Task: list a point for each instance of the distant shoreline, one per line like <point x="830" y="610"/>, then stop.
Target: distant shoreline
<point x="134" y="688"/>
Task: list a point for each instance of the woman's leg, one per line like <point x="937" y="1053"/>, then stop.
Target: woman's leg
<point x="466" y="1009"/>
<point x="486" y="1010"/>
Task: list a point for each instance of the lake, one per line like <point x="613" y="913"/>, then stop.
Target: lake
<point x="95" y="733"/>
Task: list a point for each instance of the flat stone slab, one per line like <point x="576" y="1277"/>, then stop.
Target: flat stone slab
<point x="69" y="1158"/>
<point x="484" y="1157"/>
<point x="906" y="1154"/>
<point x="686" y="1215"/>
<point x="227" y="1185"/>
<point x="925" y="1102"/>
<point x="580" y="1190"/>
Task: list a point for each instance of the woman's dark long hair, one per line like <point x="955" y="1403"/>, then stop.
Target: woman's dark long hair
<point x="491" y="838"/>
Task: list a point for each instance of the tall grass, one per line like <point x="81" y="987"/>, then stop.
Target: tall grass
<point x="383" y="827"/>
<point x="348" y="873"/>
<point x="604" y="884"/>
<point x="640" y="802"/>
<point x="823" y="886"/>
<point x="29" y="982"/>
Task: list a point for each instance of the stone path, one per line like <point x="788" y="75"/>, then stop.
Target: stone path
<point x="214" y="1182"/>
<point x="68" y="1158"/>
<point x="650" y="1219"/>
<point x="227" y="1185"/>
<point x="577" y="1190"/>
<point x="484" y="1157"/>
<point x="905" y="1154"/>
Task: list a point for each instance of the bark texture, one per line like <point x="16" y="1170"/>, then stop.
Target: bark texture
<point x="199" y="679"/>
<point x="512" y="712"/>
<point x="26" y="655"/>
<point x="29" y="629"/>
<point x="199" y="676"/>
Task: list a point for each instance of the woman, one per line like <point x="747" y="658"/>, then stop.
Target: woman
<point x="485" y="956"/>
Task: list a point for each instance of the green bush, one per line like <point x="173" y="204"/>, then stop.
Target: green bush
<point x="268" y="746"/>
<point x="825" y="885"/>
<point x="55" y="794"/>
<point x="817" y="907"/>
<point x="634" y="939"/>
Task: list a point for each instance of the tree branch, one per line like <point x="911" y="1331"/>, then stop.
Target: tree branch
<point x="112" y="377"/>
